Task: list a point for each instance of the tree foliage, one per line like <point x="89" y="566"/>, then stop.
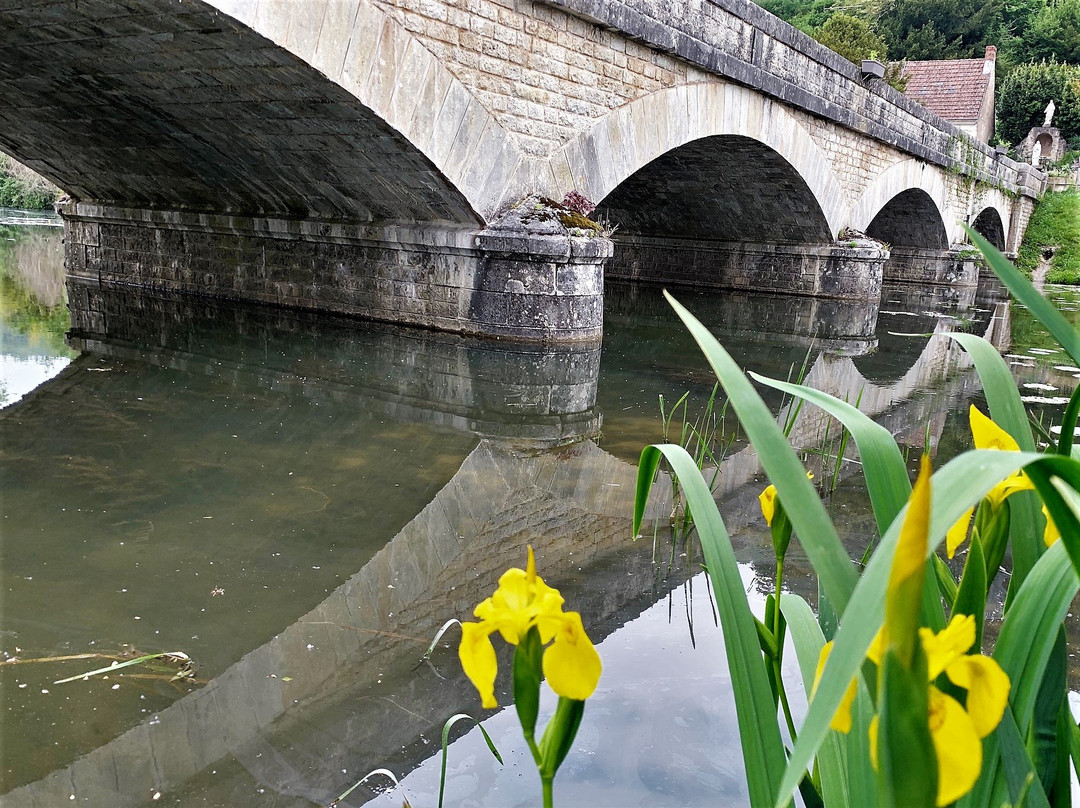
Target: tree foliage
<point x="940" y="29"/>
<point x="1027" y="90"/>
<point x="852" y="38"/>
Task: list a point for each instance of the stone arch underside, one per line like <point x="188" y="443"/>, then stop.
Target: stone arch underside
<point x="182" y="107"/>
<point x="661" y="125"/>
<point x="910" y="219"/>
<point x="990" y="225"/>
<point x="722" y="188"/>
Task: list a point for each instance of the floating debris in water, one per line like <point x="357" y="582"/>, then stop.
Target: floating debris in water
<point x="1054" y="400"/>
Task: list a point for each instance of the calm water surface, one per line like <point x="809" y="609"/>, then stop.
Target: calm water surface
<point x="300" y="504"/>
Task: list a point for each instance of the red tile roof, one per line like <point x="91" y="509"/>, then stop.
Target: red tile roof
<point x="953" y="88"/>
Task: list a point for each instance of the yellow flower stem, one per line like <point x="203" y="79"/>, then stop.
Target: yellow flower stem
<point x="779" y="658"/>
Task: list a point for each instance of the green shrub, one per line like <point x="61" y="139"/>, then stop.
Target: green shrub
<point x="1054" y="224"/>
<point x="1024" y="94"/>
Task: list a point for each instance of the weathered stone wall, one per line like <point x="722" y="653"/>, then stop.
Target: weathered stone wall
<point x="436" y="278"/>
<point x="815" y="271"/>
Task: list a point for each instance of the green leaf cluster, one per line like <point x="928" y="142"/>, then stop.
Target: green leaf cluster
<point x="1025" y="760"/>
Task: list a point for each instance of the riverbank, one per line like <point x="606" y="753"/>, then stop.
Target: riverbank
<point x="22" y="188"/>
<point x="1053" y="235"/>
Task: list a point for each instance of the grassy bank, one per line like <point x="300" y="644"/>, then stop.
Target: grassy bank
<point x="22" y="188"/>
<point x="1054" y="224"/>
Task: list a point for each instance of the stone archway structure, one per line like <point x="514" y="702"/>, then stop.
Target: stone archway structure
<point x="358" y="156"/>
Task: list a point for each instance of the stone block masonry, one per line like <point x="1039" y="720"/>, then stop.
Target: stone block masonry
<point x="511" y="286"/>
<point x="358" y="156"/>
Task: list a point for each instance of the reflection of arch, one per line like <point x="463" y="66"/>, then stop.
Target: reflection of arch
<point x="991" y="225"/>
<point x="901" y="177"/>
<point x="635" y="135"/>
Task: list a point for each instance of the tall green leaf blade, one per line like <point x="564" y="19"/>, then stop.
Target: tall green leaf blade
<point x="956" y="487"/>
<point x="1007" y="411"/>
<point x="763" y="749"/>
<point x="1023" y="290"/>
<point x="847" y="777"/>
<point x="1023" y="650"/>
<point x="811" y="522"/>
<point x="1006" y="408"/>
<point x="883" y="466"/>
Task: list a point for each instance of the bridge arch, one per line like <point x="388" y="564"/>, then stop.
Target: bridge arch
<point x="990" y="224"/>
<point x="906" y="206"/>
<point x="636" y="140"/>
<point x="372" y="56"/>
<point x="269" y="109"/>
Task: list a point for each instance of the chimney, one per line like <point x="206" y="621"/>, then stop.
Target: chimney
<point x="991" y="53"/>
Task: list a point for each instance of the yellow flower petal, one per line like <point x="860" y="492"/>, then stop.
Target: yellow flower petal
<point x="767" y="498"/>
<point x="1009" y="486"/>
<point x="949" y="644"/>
<point x="873" y="741"/>
<point x="841" y="721"/>
<point x="1050" y="533"/>
<point x="477" y="656"/>
<point x="958" y="532"/>
<point x="571" y="664"/>
<point x="988" y="435"/>
<point x="987" y="688"/>
<point x="903" y="597"/>
<point x="957" y="746"/>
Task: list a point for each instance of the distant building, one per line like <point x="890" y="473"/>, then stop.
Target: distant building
<point x="959" y="90"/>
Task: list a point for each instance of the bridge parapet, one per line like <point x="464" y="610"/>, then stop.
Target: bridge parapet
<point x="741" y="41"/>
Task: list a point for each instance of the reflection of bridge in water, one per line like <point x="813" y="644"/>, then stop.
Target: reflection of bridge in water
<point x="339" y="688"/>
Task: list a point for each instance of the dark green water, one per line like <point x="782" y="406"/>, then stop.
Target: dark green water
<point x="300" y="504"/>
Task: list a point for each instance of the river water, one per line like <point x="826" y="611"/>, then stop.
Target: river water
<point x="299" y="504"/>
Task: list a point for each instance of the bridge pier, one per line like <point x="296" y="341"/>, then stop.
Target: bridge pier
<point x="500" y="283"/>
<point x="850" y="270"/>
<point x="954" y="267"/>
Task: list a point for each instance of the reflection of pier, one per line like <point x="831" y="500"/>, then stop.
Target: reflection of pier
<point x="338" y="690"/>
<point x="527" y="392"/>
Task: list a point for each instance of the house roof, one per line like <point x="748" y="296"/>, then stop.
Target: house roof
<point x="953" y="88"/>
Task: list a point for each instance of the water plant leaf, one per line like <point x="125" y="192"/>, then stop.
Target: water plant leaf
<point x="1007" y="411"/>
<point x="527" y="672"/>
<point x="971" y="594"/>
<point x="763" y="750"/>
<point x="438" y="636"/>
<point x="1023" y="783"/>
<point x="384" y="772"/>
<point x="178" y="656"/>
<point x="907" y="764"/>
<point x="883" y="466"/>
<point x="843" y="761"/>
<point x="957" y="486"/>
<point x="559" y="734"/>
<point x="1023" y="649"/>
<point x="815" y="530"/>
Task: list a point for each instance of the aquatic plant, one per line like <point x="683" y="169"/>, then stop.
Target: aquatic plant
<point x="528" y="614"/>
<point x="905" y="708"/>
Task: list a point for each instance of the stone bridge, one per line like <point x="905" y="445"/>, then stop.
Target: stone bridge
<point x="366" y="156"/>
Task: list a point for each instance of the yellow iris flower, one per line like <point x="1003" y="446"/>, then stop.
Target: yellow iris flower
<point x="988" y="435"/>
<point x="521" y="602"/>
<point x="767" y="500"/>
<point x="956" y="730"/>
